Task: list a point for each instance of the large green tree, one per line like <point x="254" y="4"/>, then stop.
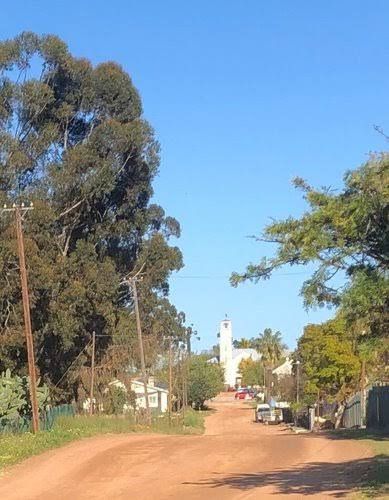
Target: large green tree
<point x="345" y="234"/>
<point x="330" y="366"/>
<point x="252" y="372"/>
<point x="74" y="142"/>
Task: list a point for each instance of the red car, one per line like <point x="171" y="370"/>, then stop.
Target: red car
<point x="243" y="394"/>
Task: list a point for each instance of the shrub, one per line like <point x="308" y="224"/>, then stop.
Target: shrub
<point x="15" y="398"/>
<point x="206" y="380"/>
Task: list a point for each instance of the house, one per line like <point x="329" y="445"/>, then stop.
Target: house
<point x="285" y="369"/>
<point x="158" y="396"/>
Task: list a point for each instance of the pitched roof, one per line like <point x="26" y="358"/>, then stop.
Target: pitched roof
<point x="247" y="353"/>
<point x="150" y="388"/>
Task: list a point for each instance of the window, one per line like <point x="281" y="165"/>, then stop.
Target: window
<point x="153" y="400"/>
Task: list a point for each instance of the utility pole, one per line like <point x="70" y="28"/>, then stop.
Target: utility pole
<point x="183" y="384"/>
<point x="92" y="378"/>
<point x="297" y="381"/>
<point x="132" y="282"/>
<point x="26" y="309"/>
<point x="363" y="393"/>
<point x="170" y="381"/>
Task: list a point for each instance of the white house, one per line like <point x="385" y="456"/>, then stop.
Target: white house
<point x="284" y="369"/>
<point x="157" y="396"/>
<point x="230" y="357"/>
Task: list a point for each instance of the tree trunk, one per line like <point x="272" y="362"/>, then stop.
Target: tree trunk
<point x="339" y="415"/>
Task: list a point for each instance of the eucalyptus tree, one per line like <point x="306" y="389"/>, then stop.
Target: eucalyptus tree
<point x="74" y="141"/>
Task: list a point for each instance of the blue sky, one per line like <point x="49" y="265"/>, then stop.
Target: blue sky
<point x="243" y="97"/>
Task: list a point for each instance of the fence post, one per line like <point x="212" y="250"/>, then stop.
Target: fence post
<point x="311" y="418"/>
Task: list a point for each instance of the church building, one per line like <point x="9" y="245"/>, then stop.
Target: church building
<point x="231" y="357"/>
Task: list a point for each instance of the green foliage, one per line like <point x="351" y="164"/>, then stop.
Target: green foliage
<point x="344" y="234"/>
<point x="270" y="345"/>
<point x="242" y="343"/>
<point x="329" y="364"/>
<point x="15" y="398"/>
<point x="194" y="419"/>
<point x="11" y="397"/>
<point x="205" y="380"/>
<point x="251" y="371"/>
<point x="73" y="141"/>
<point x="114" y="400"/>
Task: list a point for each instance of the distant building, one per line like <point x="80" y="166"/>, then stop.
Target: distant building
<point x="285" y="369"/>
<point x="230" y="357"/>
<point x="157" y="396"/>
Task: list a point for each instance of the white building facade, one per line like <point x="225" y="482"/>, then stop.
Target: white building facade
<point x="285" y="369"/>
<point x="230" y="358"/>
<point x="158" y="397"/>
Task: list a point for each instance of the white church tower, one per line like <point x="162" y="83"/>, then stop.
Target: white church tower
<point x="225" y="343"/>
<point x="231" y="358"/>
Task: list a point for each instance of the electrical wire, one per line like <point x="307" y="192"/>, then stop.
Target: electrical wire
<point x="72" y="363"/>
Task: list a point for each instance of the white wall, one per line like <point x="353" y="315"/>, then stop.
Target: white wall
<point x="152" y="394"/>
<point x="225" y="344"/>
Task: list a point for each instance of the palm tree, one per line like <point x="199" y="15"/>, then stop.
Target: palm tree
<point x="271" y="346"/>
<point x="242" y="343"/>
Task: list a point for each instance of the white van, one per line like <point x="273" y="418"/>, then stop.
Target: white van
<point x="262" y="410"/>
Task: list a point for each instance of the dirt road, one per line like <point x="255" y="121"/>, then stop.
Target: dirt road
<point x="235" y="459"/>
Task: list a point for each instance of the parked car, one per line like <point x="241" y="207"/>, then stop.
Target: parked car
<point x="260" y="411"/>
<point x="271" y="414"/>
<point x="274" y="416"/>
<point x="244" y="393"/>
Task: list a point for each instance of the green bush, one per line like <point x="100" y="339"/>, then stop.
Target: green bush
<point x="206" y="380"/>
<point x="194" y="419"/>
<point x="15" y="399"/>
<point x="114" y="400"/>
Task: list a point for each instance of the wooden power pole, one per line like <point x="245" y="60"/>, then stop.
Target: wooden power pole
<point x="92" y="379"/>
<point x="141" y="349"/>
<point x="26" y="310"/>
<point x="170" y="381"/>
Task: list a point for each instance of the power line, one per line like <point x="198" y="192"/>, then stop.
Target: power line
<point x="209" y="276"/>
<point x="72" y="363"/>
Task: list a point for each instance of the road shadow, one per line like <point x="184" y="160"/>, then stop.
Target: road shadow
<point x="337" y="480"/>
<point x="339" y="434"/>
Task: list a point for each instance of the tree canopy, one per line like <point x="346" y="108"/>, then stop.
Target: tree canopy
<point x="346" y="235"/>
<point x="270" y="345"/>
<point x="252" y="372"/>
<point x="73" y="140"/>
<point x="330" y="365"/>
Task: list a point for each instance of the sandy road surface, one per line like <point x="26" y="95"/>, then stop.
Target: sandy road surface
<point x="235" y="459"/>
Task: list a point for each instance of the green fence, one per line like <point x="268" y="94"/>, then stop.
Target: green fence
<point x="46" y="420"/>
<point x="378" y="407"/>
<point x="353" y="412"/>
